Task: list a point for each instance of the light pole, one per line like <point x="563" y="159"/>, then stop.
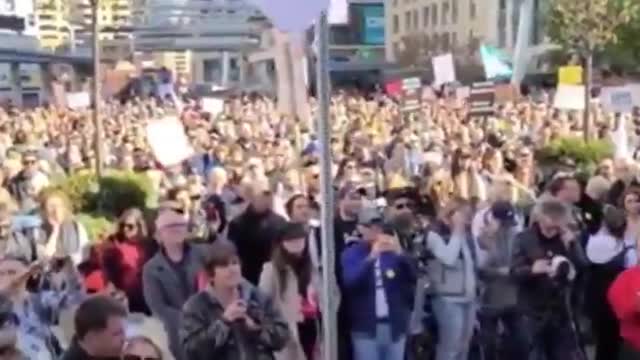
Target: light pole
<point x="97" y="120"/>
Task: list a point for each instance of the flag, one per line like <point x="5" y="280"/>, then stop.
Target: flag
<point x="496" y="63"/>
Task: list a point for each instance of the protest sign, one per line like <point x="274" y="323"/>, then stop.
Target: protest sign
<point x="617" y="99"/>
<point x="443" y="69"/>
<point x="213" y="106"/>
<point x="393" y="88"/>
<point x="482" y="99"/>
<point x="78" y="100"/>
<point x="168" y="141"/>
<point x="570" y="75"/>
<point x="462" y="93"/>
<point x="569" y="97"/>
<point x="506" y="93"/>
<point x="411" y="96"/>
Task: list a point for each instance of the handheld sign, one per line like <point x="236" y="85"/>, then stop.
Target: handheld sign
<point x="168" y="141"/>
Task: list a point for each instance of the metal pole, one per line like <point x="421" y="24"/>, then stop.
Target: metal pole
<point x="97" y="120"/>
<point x="329" y="288"/>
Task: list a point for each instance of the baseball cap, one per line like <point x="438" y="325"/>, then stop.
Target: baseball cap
<point x="504" y="212"/>
<point x="370" y="216"/>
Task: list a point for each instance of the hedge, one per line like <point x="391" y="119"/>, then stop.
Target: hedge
<point x="585" y="154"/>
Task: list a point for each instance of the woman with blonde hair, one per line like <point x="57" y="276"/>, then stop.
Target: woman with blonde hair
<point x="60" y="235"/>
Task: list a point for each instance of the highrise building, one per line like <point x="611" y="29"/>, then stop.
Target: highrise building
<point x="18" y="16"/>
<point x="54" y="27"/>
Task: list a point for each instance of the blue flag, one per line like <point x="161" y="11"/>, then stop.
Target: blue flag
<point x="496" y="63"/>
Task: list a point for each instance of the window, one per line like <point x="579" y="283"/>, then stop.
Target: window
<point x="454" y="11"/>
<point x="396" y="24"/>
<point x="445" y="41"/>
<point x="416" y="19"/>
<point x="407" y="21"/>
<point x="454" y="40"/>
<point x="425" y="16"/>
<point x="434" y="14"/>
<point x="472" y="9"/>
<point x="445" y="12"/>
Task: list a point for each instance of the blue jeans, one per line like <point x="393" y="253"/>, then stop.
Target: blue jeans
<point x="382" y="347"/>
<point x="456" y="322"/>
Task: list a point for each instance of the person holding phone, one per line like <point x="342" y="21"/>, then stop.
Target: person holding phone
<point x="379" y="283"/>
<point x="231" y="319"/>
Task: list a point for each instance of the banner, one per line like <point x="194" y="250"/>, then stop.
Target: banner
<point x="495" y="62"/>
<point x="570" y="75"/>
<point x="78" y="100"/>
<point x="443" y="69"/>
<point x="569" y="97"/>
<point x="373" y="24"/>
<point x="168" y="141"/>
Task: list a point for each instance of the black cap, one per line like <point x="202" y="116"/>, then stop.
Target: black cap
<point x="504" y="212"/>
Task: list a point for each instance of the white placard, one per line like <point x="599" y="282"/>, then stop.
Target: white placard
<point x="78" y="100"/>
<point x="443" y="69"/>
<point x="569" y="97"/>
<point x="213" y="106"/>
<point x="617" y="99"/>
<point x="462" y="93"/>
<point x="168" y="141"/>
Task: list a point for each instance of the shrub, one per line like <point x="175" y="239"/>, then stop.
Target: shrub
<point x="98" y="227"/>
<point x="585" y="154"/>
<point x="115" y="192"/>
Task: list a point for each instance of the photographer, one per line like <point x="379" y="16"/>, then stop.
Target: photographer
<point x="38" y="311"/>
<point x="453" y="279"/>
<point x="378" y="285"/>
<point x="545" y="262"/>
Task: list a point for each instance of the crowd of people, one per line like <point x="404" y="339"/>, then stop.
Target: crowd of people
<point x="452" y="242"/>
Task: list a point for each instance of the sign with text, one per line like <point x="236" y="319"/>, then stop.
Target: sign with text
<point x="617" y="99"/>
<point x="411" y="94"/>
<point x="482" y="98"/>
<point x="570" y="75"/>
<point x="443" y="69"/>
<point x="78" y="100"/>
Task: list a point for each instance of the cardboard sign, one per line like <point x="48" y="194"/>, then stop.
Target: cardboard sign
<point x="617" y="99"/>
<point x="569" y="97"/>
<point x="506" y="93"/>
<point x="443" y="69"/>
<point x="168" y="141"/>
<point x="570" y="75"/>
<point x="213" y="106"/>
<point x="462" y="93"/>
<point x="78" y="100"/>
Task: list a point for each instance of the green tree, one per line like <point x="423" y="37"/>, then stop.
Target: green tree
<point x="626" y="51"/>
<point x="588" y="27"/>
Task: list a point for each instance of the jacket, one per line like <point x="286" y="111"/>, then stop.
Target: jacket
<point x="76" y="352"/>
<point x="539" y="294"/>
<point x="166" y="292"/>
<point x="205" y="335"/>
<point x="499" y="289"/>
<point x="398" y="277"/>
<point x="288" y="303"/>
<point x="253" y="234"/>
<point x="623" y="297"/>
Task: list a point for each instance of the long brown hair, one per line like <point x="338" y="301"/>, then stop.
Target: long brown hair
<point x="136" y="214"/>
<point x="282" y="261"/>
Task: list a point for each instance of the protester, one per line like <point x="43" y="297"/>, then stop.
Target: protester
<point x="378" y="283"/>
<point x="289" y="280"/>
<point x="99" y="325"/>
<point x="171" y="276"/>
<point x="255" y="230"/>
<point x="230" y="319"/>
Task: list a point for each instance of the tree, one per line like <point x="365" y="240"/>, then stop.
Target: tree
<point x="586" y="27"/>
<point x="626" y="51"/>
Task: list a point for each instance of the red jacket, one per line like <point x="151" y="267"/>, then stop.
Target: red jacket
<point x="624" y="297"/>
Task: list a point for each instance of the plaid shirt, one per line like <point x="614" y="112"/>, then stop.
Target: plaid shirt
<point x="39" y="312"/>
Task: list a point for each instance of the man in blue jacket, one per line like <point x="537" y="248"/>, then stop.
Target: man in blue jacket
<point x="379" y="283"/>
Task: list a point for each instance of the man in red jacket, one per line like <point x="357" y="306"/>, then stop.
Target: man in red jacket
<point x="624" y="297"/>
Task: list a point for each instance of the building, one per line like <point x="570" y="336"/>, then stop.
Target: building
<point x="211" y="36"/>
<point x="18" y="16"/>
<point x="435" y="26"/>
<point x="54" y="27"/>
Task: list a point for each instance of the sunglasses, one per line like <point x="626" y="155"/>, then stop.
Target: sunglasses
<point x="136" y="357"/>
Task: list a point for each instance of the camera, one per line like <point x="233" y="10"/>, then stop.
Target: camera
<point x="563" y="269"/>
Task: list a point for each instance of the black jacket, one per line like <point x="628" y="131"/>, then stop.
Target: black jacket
<point x="205" y="335"/>
<point x="254" y="235"/>
<point x="76" y="352"/>
<point x="539" y="294"/>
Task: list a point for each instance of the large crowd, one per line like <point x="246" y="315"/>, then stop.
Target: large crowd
<point x="452" y="242"/>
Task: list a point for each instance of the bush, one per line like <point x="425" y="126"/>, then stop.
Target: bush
<point x="118" y="190"/>
<point x="585" y="154"/>
<point x="98" y="227"/>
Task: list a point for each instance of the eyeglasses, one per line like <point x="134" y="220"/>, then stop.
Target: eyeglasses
<point x="136" y="357"/>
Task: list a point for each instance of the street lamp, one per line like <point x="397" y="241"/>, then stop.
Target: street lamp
<point x="97" y="120"/>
